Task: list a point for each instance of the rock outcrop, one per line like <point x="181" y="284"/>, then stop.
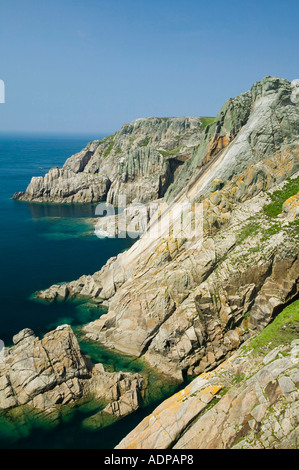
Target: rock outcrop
<point x="47" y="373"/>
<point x="251" y="127"/>
<point x="185" y="301"/>
<point x="187" y="296"/>
<point x="132" y="221"/>
<point x="138" y="163"/>
<point x="249" y="401"/>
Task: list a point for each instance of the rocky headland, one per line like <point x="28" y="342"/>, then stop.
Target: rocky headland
<point x="187" y="301"/>
<point x="138" y="162"/>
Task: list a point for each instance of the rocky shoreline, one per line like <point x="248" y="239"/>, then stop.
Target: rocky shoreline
<point x="186" y="302"/>
<point x="201" y="297"/>
<point x="249" y="401"/>
<point x="46" y="374"/>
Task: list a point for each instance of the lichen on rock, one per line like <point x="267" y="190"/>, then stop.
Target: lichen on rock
<point x="47" y="374"/>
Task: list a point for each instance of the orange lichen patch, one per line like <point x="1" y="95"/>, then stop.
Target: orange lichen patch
<point x="233" y="190"/>
<point x="209" y="392"/>
<point x="249" y="175"/>
<point x="221" y="143"/>
<point x="225" y="141"/>
<point x="208" y="375"/>
<point x="256" y="178"/>
<point x="282" y="163"/>
<point x="215" y="197"/>
<point x="179" y="395"/>
<point x="291" y="207"/>
<point x="292" y="201"/>
<point x="132" y="445"/>
<point x="175" y="403"/>
<point x="206" y="203"/>
<point x="215" y="145"/>
<point x="172" y="246"/>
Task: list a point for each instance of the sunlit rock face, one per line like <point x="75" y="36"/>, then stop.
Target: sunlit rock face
<point x="47" y="373"/>
<point x="186" y="302"/>
<point x="137" y="163"/>
<point x="248" y="402"/>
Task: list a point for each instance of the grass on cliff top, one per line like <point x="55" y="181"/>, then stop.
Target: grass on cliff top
<point x="167" y="153"/>
<point x="206" y="121"/>
<point x="283" y="329"/>
<point x="109" y="137"/>
<point x="274" y="208"/>
<point x="111" y="145"/>
<point x="144" y="142"/>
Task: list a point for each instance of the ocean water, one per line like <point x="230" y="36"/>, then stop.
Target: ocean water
<point x="43" y="244"/>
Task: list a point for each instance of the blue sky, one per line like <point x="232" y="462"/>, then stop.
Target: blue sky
<point x="89" y="66"/>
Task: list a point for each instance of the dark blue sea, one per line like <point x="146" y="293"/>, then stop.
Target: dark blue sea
<point x="43" y="244"/>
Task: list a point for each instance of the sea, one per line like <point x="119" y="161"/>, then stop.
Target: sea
<point x="44" y="244"/>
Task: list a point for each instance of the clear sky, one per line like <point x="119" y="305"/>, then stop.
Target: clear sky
<point x="88" y="66"/>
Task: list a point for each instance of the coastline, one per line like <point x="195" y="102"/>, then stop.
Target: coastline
<point x="186" y="302"/>
<point x="30" y="419"/>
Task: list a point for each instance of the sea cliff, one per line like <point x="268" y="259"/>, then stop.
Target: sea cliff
<point x="186" y="302"/>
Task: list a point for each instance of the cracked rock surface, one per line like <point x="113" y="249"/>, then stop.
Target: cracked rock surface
<point x="249" y="401"/>
<point x="49" y="372"/>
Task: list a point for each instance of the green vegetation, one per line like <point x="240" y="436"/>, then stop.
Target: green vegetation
<point x="206" y="121"/>
<point x="283" y="329"/>
<point x="274" y="208"/>
<point x="110" y="147"/>
<point x="247" y="231"/>
<point x="167" y="153"/>
<point x="295" y="226"/>
<point x="215" y="299"/>
<point x="275" y="228"/>
<point x="144" y="142"/>
<point x="238" y="378"/>
<point x="107" y="138"/>
<point x="118" y="150"/>
<point x="254" y="249"/>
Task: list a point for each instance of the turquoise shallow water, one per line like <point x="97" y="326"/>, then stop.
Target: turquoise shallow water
<point x="43" y="244"/>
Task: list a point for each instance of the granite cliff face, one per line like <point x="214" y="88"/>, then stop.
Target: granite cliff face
<point x="184" y="302"/>
<point x="253" y="126"/>
<point x="138" y="162"/>
<point x="249" y="401"/>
